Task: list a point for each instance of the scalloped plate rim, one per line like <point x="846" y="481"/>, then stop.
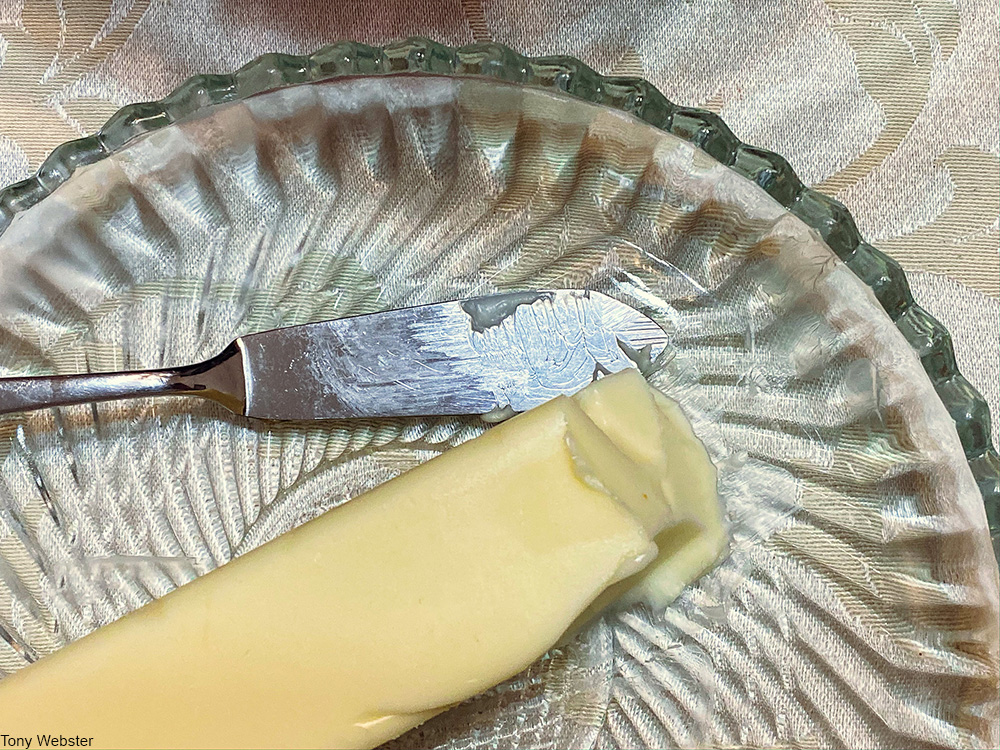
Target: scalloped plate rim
<point x="40" y="185"/>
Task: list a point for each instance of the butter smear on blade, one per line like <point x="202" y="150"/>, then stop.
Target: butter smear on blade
<point x="386" y="610"/>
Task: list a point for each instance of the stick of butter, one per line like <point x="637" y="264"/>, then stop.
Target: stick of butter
<point x="383" y="612"/>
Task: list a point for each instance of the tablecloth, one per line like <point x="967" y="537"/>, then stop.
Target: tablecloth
<point x="889" y="105"/>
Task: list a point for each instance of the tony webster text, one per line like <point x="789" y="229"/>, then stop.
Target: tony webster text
<point x="44" y="740"/>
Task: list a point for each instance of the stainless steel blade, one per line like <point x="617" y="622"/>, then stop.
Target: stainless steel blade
<point x="491" y="355"/>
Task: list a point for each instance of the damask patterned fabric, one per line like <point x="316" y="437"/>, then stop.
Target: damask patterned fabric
<point x="889" y="105"/>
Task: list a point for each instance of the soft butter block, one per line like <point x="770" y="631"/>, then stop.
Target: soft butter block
<point x="419" y="594"/>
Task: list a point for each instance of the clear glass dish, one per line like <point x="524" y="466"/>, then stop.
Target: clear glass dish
<point x="858" y="606"/>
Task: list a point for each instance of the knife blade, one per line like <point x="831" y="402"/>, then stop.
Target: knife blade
<point x="493" y="356"/>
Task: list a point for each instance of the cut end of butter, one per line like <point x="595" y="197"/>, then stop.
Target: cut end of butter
<point x="653" y="432"/>
<point x="415" y="596"/>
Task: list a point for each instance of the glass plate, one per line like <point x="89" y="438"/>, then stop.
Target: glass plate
<point x="858" y="606"/>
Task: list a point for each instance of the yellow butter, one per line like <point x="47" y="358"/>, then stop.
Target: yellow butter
<point x="383" y="612"/>
<point x="652" y="431"/>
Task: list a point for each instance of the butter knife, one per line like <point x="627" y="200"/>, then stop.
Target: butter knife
<point x="494" y="356"/>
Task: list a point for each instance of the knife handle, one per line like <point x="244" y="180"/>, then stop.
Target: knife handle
<point x="218" y="379"/>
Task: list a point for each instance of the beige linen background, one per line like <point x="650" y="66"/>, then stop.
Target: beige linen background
<point x="889" y="105"/>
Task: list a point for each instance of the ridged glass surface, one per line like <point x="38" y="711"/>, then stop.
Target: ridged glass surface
<point x="858" y="604"/>
<point x="633" y="95"/>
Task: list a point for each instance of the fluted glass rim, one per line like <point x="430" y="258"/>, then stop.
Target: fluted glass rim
<point x="568" y="75"/>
